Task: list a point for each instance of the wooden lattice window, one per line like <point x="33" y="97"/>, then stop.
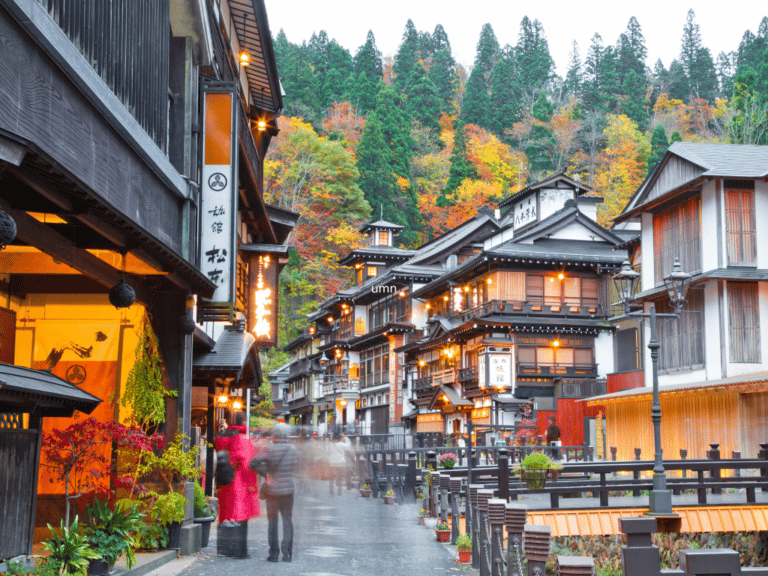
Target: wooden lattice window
<point x="677" y="234"/>
<point x="360" y="326"/>
<point x="743" y="307"/>
<point x="682" y="340"/>
<point x="740" y="222"/>
<point x="11" y="420"/>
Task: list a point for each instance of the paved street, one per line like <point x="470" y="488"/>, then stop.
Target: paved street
<point x="346" y="535"/>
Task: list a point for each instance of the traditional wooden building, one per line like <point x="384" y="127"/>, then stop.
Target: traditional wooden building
<point x="132" y="140"/>
<point x="700" y="204"/>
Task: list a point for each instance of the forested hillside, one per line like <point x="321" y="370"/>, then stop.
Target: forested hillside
<point x="422" y="142"/>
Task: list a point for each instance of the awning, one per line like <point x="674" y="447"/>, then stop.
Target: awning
<point x="26" y="390"/>
<point x="235" y="356"/>
<point x="755" y="382"/>
<point x="448" y="399"/>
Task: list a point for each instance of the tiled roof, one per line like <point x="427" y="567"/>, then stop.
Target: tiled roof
<point x="436" y="246"/>
<point x="573" y="250"/>
<point x="229" y="353"/>
<point x="725" y="160"/>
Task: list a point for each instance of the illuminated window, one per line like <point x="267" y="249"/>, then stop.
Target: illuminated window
<point x="359" y="326"/>
<point x="383" y="238"/>
<point x="372" y="271"/>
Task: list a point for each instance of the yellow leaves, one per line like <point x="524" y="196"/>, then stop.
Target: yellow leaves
<point x="403" y="183"/>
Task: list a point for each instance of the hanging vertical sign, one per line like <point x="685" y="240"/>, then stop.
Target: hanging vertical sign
<point x="262" y="298"/>
<point x="218" y="204"/>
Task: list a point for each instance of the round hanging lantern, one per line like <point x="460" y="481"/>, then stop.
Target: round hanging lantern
<point x="186" y="324"/>
<point x="7" y="228"/>
<point x="122" y="295"/>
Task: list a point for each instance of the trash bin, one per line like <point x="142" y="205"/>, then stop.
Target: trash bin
<point x="232" y="539"/>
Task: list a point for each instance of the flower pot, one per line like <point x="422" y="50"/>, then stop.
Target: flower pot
<point x="421" y="520"/>
<point x="448" y="464"/>
<point x="205" y="523"/>
<point x="465" y="556"/>
<point x="443" y="535"/>
<point x="389" y="499"/>
<point x="174" y="535"/>
<point x="98" y="567"/>
<point x="534" y="478"/>
<point x="430" y="522"/>
<point x="365" y="493"/>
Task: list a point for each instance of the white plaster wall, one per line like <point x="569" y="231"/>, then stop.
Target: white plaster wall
<point x="713" y="348"/>
<point x="499" y="238"/>
<point x="588" y="209"/>
<point x="646" y="240"/>
<point x="575" y="231"/>
<point x="604" y="354"/>
<point x="761" y="210"/>
<point x="677" y="378"/>
<point x="709" y="237"/>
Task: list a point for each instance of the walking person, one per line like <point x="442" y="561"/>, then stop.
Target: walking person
<point x="337" y="461"/>
<point x="279" y="467"/>
<point x="552" y="437"/>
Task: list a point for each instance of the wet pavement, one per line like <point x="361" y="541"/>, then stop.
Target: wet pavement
<point x="344" y="535"/>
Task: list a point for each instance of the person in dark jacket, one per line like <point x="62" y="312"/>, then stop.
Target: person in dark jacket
<point x="553" y="435"/>
<point x="281" y="464"/>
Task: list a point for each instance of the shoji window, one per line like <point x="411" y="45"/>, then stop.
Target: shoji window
<point x="740" y="222"/>
<point x="744" y="322"/>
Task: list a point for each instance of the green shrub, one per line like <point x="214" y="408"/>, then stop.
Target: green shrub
<point x="69" y="552"/>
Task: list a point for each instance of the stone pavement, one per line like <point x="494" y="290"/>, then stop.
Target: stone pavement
<point x="339" y="536"/>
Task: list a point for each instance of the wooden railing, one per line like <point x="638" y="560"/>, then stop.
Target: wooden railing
<point x="444" y="377"/>
<point x="556" y="369"/>
<point x="529" y="308"/>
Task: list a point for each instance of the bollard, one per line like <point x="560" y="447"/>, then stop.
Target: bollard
<point x="516" y="518"/>
<point x="536" y="543"/>
<point x="410" y="478"/>
<point x="614" y="451"/>
<point x="455" y="487"/>
<point x="575" y="566"/>
<point x="714" y="473"/>
<point x="720" y="561"/>
<point x="375" y="483"/>
<point x="736" y="455"/>
<point x="402" y="472"/>
<point x="475" y="522"/>
<point x="497" y="518"/>
<point x="639" y="557"/>
<point x="444" y="485"/>
<point x="431" y="460"/>
<point x="503" y="464"/>
<point x="636" y="474"/>
<point x="434" y="478"/>
<point x="484" y="547"/>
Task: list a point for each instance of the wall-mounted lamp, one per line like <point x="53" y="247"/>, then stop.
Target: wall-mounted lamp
<point x="490" y="281"/>
<point x="223" y="399"/>
<point x="245" y="59"/>
<point x="261" y="125"/>
<point x="236" y="405"/>
<point x="556" y="343"/>
<point x="561" y="276"/>
<point x="330" y="318"/>
<point x="402" y="294"/>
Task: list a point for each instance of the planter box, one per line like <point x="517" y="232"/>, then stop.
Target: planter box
<point x="443" y="535"/>
<point x="534" y="478"/>
<point x="389" y="499"/>
<point x="465" y="557"/>
<point x="366" y="493"/>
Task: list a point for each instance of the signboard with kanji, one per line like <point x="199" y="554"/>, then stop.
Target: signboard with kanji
<point x="526" y="211"/>
<point x="262" y="298"/>
<point x="218" y="204"/>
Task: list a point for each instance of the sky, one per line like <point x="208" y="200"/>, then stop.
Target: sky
<point x="722" y="24"/>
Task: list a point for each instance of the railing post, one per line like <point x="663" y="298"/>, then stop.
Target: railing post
<point x="375" y="481"/>
<point x="516" y="518"/>
<point x="736" y="455"/>
<point x="714" y="473"/>
<point x="536" y="543"/>
<point x="721" y="561"/>
<point x="445" y="484"/>
<point x="639" y="557"/>
<point x="410" y="477"/>
<point x="485" y="542"/>
<point x="390" y="471"/>
<point x="402" y="472"/>
<point x="503" y="464"/>
<point x="763" y="454"/>
<point x="474" y="522"/>
<point x="434" y="481"/>
<point x="455" y="485"/>
<point x="575" y="566"/>
<point x="497" y="517"/>
<point x="636" y="473"/>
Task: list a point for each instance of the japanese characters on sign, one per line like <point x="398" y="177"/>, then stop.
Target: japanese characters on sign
<point x="526" y="211"/>
<point x="218" y="256"/>
<point x="499" y="373"/>
<point x="262" y="298"/>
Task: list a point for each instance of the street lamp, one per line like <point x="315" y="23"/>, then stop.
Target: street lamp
<point x="677" y="284"/>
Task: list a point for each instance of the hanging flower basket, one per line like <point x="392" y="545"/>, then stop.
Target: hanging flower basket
<point x="534" y="478"/>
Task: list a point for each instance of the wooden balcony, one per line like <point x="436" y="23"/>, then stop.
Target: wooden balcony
<point x="445" y="377"/>
<point x="467" y="374"/>
<point x="556" y="370"/>
<point x="296" y="395"/>
<point x="425" y="382"/>
<point x="524" y="308"/>
<point x="342" y="385"/>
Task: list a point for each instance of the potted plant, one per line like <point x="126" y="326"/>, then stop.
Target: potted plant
<point x="205" y="513"/>
<point x="365" y="491"/>
<point x="69" y="553"/>
<point x="169" y="510"/>
<point x="534" y="469"/>
<point x="447" y="460"/>
<point x="389" y="497"/>
<point x="430" y="521"/>
<point x="464" y="544"/>
<point x="109" y="532"/>
<point x="422" y="514"/>
<point x="443" y="532"/>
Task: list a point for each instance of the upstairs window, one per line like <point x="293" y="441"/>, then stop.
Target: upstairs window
<point x="743" y="308"/>
<point x="740" y="222"/>
<point x="677" y="233"/>
<point x="383" y="238"/>
<point x="682" y="340"/>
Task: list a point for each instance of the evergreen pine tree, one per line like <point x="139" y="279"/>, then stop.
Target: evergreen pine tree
<point x="362" y="94"/>
<point x="377" y="179"/>
<point x="423" y="102"/>
<point x="697" y="62"/>
<point x="725" y="73"/>
<point x="532" y="57"/>
<point x="659" y="145"/>
<point x="593" y="87"/>
<point x="675" y="137"/>
<point x="575" y="75"/>
<point x="395" y="124"/>
<point x="632" y="51"/>
<point x="474" y="108"/>
<point x="368" y="60"/>
<point x="442" y="72"/>
<point x="633" y="100"/>
<point x="300" y="86"/>
<point x="487" y="48"/>
<point x="541" y="141"/>
<point x="407" y="55"/>
<point x="679" y="87"/>
<point x="504" y="105"/>
<point x="461" y="167"/>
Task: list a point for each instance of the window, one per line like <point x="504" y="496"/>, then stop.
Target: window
<point x="740" y="221"/>
<point x="345" y="325"/>
<point x="574" y="356"/>
<point x="372" y="271"/>
<point x="676" y="234"/>
<point x="374" y="366"/>
<point x="627" y="350"/>
<point x="682" y="340"/>
<point x="552" y="291"/>
<point x="383" y="238"/>
<point x="391" y="309"/>
<point x="744" y="314"/>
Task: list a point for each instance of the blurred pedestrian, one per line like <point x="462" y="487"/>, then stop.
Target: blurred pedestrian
<point x="239" y="500"/>
<point x="552" y="437"/>
<point x="337" y="461"/>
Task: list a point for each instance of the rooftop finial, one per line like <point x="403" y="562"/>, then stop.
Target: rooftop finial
<point x="381" y="217"/>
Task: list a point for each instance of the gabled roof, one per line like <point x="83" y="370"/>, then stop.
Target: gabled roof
<point x="381" y="224"/>
<point x="372" y="253"/>
<point x="700" y="162"/>
<point x="448" y="399"/>
<point x="547" y="183"/>
<point x="235" y="350"/>
<point x="566" y="215"/>
<point x="470" y="231"/>
<point x="26" y="390"/>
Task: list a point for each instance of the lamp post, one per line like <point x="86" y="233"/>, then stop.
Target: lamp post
<point x="677" y="284"/>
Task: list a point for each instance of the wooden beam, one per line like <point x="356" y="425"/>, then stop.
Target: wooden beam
<point x="60" y="248"/>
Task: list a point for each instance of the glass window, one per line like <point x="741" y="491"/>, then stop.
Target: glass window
<point x="372" y="271"/>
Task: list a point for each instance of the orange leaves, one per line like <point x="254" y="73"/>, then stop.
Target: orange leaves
<point x="343" y="120"/>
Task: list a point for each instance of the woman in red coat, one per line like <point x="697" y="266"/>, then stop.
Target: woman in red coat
<point x="239" y="500"/>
